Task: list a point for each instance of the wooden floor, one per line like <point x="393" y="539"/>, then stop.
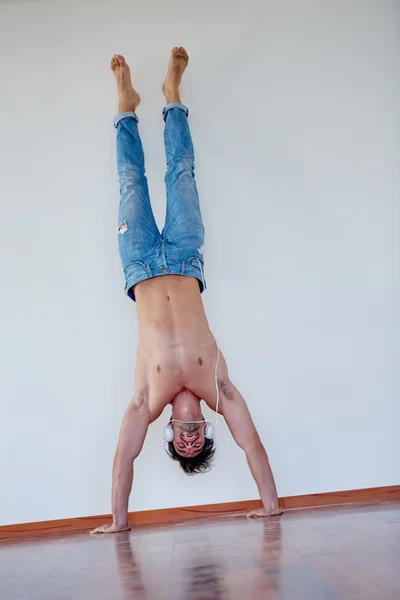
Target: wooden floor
<point x="337" y="552"/>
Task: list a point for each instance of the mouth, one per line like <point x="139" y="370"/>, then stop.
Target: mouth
<point x="189" y="437"/>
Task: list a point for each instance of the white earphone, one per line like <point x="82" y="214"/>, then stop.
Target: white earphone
<point x="209" y="429"/>
<point x="168" y="431"/>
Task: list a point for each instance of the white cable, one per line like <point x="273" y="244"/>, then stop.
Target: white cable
<point x="216" y="364"/>
<point x="216" y="386"/>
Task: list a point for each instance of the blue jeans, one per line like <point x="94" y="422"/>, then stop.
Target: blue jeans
<point x="144" y="251"/>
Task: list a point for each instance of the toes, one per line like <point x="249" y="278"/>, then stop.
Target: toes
<point x="179" y="52"/>
<point x="117" y="61"/>
<point x="183" y="53"/>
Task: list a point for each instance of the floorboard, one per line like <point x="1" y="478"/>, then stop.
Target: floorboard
<point x="343" y="552"/>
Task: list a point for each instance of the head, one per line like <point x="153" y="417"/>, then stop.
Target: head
<point x="190" y="448"/>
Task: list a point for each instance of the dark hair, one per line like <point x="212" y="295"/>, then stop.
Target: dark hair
<point x="196" y="464"/>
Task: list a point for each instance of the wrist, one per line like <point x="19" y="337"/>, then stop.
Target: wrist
<point x="270" y="501"/>
<point x="119" y="522"/>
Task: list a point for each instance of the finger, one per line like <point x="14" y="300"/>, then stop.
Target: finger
<point x="101" y="529"/>
<point x="95" y="531"/>
<point x="256" y="514"/>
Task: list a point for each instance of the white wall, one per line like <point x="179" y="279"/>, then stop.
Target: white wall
<point x="294" y="115"/>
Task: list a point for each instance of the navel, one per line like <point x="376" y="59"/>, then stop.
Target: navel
<point x="158" y="369"/>
<point x="200" y="360"/>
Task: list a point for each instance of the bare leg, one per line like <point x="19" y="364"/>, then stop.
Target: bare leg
<point x="128" y="99"/>
<point x="177" y="65"/>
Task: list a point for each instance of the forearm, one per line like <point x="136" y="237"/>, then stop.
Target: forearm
<point x="261" y="470"/>
<point x="121" y="488"/>
<point x="131" y="438"/>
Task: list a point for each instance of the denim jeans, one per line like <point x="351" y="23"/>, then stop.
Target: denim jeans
<point x="144" y="251"/>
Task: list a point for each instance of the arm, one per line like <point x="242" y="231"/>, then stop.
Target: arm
<point x="240" y="423"/>
<point x="131" y="438"/>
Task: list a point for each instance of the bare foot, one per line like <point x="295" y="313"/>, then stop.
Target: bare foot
<point x="177" y="65"/>
<point x="128" y="98"/>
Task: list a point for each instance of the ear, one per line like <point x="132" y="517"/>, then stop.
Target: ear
<point x="209" y="431"/>
<point x="168" y="434"/>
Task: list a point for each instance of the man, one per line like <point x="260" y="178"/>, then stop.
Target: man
<point x="178" y="361"/>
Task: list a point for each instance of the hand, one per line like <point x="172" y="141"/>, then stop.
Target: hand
<point x="111" y="528"/>
<point x="273" y="511"/>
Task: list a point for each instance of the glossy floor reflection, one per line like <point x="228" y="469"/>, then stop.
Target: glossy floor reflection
<point x="334" y="553"/>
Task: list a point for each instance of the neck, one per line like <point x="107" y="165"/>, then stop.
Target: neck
<point x="186" y="407"/>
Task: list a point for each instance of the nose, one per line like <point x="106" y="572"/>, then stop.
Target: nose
<point x="189" y="439"/>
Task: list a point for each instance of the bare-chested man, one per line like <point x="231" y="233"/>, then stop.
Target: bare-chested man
<point x="178" y="361"/>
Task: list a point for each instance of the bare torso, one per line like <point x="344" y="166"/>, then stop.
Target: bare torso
<point x="177" y="349"/>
